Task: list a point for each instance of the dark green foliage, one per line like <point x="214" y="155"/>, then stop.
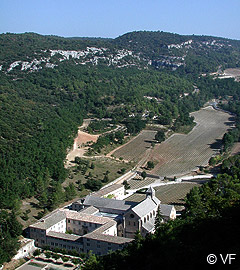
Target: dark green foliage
<point x="144" y="174"/>
<point x="40" y="114"/>
<point x="10" y="229"/>
<point x="135" y="125"/>
<point x="212" y="161"/>
<point x="41" y="111"/>
<point x="126" y="185"/>
<point x="98" y="126"/>
<point x="209" y="226"/>
<point x="105" y="179"/>
<point x="158" y="220"/>
<point x="150" y="165"/>
<point x="37" y="252"/>
<point x="230" y="138"/>
<point x="93" y="185"/>
<point x="160" y="136"/>
<point x="70" y="192"/>
<point x="183" y="120"/>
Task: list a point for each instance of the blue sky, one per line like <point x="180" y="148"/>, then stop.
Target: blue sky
<point x="111" y="18"/>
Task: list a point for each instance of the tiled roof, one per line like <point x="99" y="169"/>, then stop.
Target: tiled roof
<point x="86" y="217"/>
<point x="144" y="207"/>
<point x="71" y="237"/>
<point x="108" y="203"/>
<point x="148" y="226"/>
<point x="108" y="238"/>
<point x="104" y="191"/>
<point x="50" y="220"/>
<point x="91" y="210"/>
<point x="166" y="209"/>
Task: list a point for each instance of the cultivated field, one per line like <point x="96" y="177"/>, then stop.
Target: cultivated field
<point x="231" y="73"/>
<point x="181" y="154"/>
<point x="135" y="149"/>
<point x="136" y="183"/>
<point x="168" y="194"/>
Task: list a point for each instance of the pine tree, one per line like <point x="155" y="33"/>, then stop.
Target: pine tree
<point x="158" y="219"/>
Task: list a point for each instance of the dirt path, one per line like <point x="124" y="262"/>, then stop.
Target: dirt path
<point x="80" y="143"/>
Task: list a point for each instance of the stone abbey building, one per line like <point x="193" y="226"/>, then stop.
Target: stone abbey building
<point x="99" y="224"/>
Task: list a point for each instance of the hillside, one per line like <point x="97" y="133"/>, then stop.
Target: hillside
<point x="198" y="54"/>
<point x="49" y="84"/>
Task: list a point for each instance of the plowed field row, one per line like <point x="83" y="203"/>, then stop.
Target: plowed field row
<point x="136" y="183"/>
<point x="135" y="150"/>
<point x="183" y="153"/>
<point x="168" y="194"/>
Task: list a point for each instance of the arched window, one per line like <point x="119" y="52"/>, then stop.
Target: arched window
<point x="153" y="212"/>
<point x="144" y="220"/>
<point x="150" y="215"/>
<point x="147" y="217"/>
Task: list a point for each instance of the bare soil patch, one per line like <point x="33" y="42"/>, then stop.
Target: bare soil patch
<point x="80" y="146"/>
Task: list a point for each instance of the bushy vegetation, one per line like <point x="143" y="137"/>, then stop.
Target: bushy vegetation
<point x="10" y="229"/>
<point x="40" y="111"/>
<point x="212" y="212"/>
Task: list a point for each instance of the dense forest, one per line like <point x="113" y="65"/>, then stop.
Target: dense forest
<point x="40" y="111"/>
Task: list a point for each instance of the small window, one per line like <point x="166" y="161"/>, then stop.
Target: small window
<point x="132" y="216"/>
<point x="134" y="223"/>
<point x="69" y="221"/>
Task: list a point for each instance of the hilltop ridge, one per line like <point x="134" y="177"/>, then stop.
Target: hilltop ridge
<point x="142" y="49"/>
